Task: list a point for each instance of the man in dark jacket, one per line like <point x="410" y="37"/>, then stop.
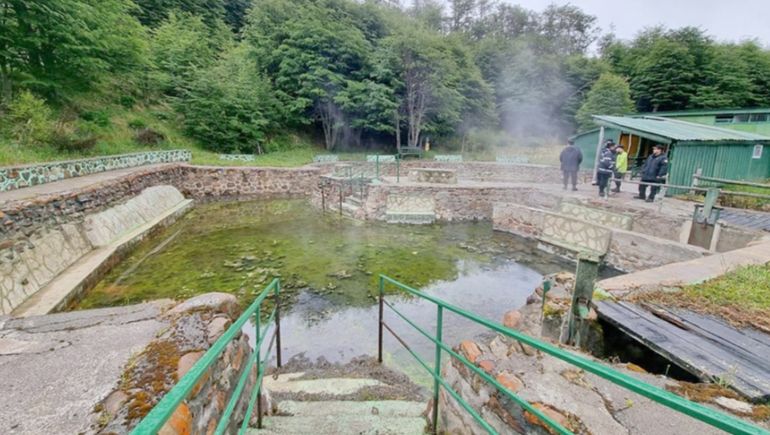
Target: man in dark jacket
<point x="571" y="157"/>
<point x="606" y="167"/>
<point x="654" y="170"/>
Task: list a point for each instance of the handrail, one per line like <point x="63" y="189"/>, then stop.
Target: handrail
<point x="161" y="412"/>
<point x="707" y="415"/>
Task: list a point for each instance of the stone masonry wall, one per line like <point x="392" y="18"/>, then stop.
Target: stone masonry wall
<point x="195" y="325"/>
<point x="455" y="203"/>
<point x="628" y="251"/>
<point x="15" y="177"/>
<point x="210" y="182"/>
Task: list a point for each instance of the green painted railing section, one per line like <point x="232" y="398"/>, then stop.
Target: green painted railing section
<point x="159" y="414"/>
<point x="707" y="415"/>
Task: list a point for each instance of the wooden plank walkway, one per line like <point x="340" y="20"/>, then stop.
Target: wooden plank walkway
<point x="703" y="345"/>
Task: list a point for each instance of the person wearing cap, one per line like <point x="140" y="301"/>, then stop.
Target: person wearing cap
<point x="571" y="157"/>
<point x="621" y="166"/>
<point x="606" y="167"/>
<point x="654" y="170"/>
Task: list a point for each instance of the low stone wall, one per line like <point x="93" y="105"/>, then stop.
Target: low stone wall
<point x="194" y="327"/>
<point x="210" y="182"/>
<point x="627" y="251"/>
<point x="438" y="176"/>
<point x="453" y="202"/>
<point x="15" y="177"/>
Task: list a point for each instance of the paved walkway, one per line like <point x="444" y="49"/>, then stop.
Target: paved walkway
<point x="54" y="369"/>
<point x="75" y="183"/>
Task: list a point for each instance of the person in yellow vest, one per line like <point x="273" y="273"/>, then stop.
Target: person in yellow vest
<point x="621" y="167"/>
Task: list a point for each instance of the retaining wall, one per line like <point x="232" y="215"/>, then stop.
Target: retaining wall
<point x="627" y="251"/>
<point x="15" y="177"/>
<point x="47" y="253"/>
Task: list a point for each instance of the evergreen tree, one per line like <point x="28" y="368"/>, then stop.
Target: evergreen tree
<point x="610" y="95"/>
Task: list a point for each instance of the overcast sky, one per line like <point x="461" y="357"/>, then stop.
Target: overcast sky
<point x="725" y="20"/>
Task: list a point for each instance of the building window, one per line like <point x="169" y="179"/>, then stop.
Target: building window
<point x="724" y="119"/>
<point x="743" y="117"/>
<point x="757" y="154"/>
<point x="759" y="117"/>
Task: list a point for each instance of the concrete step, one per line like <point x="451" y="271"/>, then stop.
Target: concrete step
<point x="355" y="200"/>
<point x="349" y="208"/>
<point x="418" y="218"/>
<point x="342" y="424"/>
<point x="382" y="408"/>
<point x="288" y="383"/>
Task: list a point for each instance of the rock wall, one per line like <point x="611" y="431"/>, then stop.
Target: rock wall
<point x="195" y="325"/>
<point x="15" y="177"/>
<point x="454" y="203"/>
<point x="209" y="182"/>
<point x="627" y="251"/>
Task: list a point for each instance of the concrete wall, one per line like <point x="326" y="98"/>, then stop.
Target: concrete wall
<point x="627" y="251"/>
<point x="51" y="250"/>
<point x="15" y="177"/>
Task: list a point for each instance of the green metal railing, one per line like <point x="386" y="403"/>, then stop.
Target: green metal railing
<point x="707" y="415"/>
<point x="159" y="414"/>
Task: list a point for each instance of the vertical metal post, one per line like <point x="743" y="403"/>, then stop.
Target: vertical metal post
<point x="377" y="167"/>
<point x="278" y="323"/>
<point x="382" y="304"/>
<point x="437" y="366"/>
<point x="585" y="278"/>
<point x="398" y="169"/>
<point x="340" y="190"/>
<point x="258" y="350"/>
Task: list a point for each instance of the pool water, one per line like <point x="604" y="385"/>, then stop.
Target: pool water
<point x="329" y="267"/>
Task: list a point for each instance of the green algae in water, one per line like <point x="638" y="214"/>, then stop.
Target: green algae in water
<point x="238" y="247"/>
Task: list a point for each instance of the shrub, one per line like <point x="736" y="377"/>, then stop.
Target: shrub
<point x="30" y="119"/>
<point x="98" y="117"/>
<point x="127" y="101"/>
<point x="137" y="124"/>
<point x="74" y="138"/>
<point x="148" y="136"/>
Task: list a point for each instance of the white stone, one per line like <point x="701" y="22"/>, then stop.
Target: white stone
<point x="734" y="405"/>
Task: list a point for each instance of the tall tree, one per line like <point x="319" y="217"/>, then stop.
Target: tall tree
<point x="51" y="47"/>
<point x="610" y="95"/>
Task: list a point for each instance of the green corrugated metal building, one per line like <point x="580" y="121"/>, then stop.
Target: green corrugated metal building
<point x="718" y="152"/>
<point x="755" y="120"/>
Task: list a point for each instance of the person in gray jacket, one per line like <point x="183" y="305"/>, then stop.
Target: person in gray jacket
<point x="606" y="167"/>
<point x="571" y="157"/>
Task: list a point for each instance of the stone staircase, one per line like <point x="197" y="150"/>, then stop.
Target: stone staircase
<point x="303" y="403"/>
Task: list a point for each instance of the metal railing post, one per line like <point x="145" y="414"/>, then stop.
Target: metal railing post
<point x="398" y="170"/>
<point x="377" y="167"/>
<point x="258" y="350"/>
<point x="437" y="365"/>
<point x="278" y="323"/>
<point x="382" y="303"/>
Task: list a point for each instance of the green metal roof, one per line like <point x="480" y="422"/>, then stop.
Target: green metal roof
<point x="671" y="130"/>
<point x="699" y="112"/>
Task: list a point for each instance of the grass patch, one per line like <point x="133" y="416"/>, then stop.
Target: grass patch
<point x="741" y="297"/>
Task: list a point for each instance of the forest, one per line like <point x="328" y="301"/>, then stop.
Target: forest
<point x="241" y="76"/>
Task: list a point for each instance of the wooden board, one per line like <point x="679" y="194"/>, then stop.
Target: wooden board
<point x="704" y="346"/>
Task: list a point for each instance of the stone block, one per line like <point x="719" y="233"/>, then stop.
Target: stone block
<point x="435" y="176"/>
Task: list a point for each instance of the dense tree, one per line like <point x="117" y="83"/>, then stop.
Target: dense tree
<point x="153" y="12"/>
<point x="232" y="115"/>
<point x="66" y="45"/>
<point x="180" y="46"/>
<point x="609" y="95"/>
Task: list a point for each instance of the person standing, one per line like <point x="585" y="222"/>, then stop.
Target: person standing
<point x="606" y="167"/>
<point x="621" y="167"/>
<point x="654" y="170"/>
<point x="571" y="157"/>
